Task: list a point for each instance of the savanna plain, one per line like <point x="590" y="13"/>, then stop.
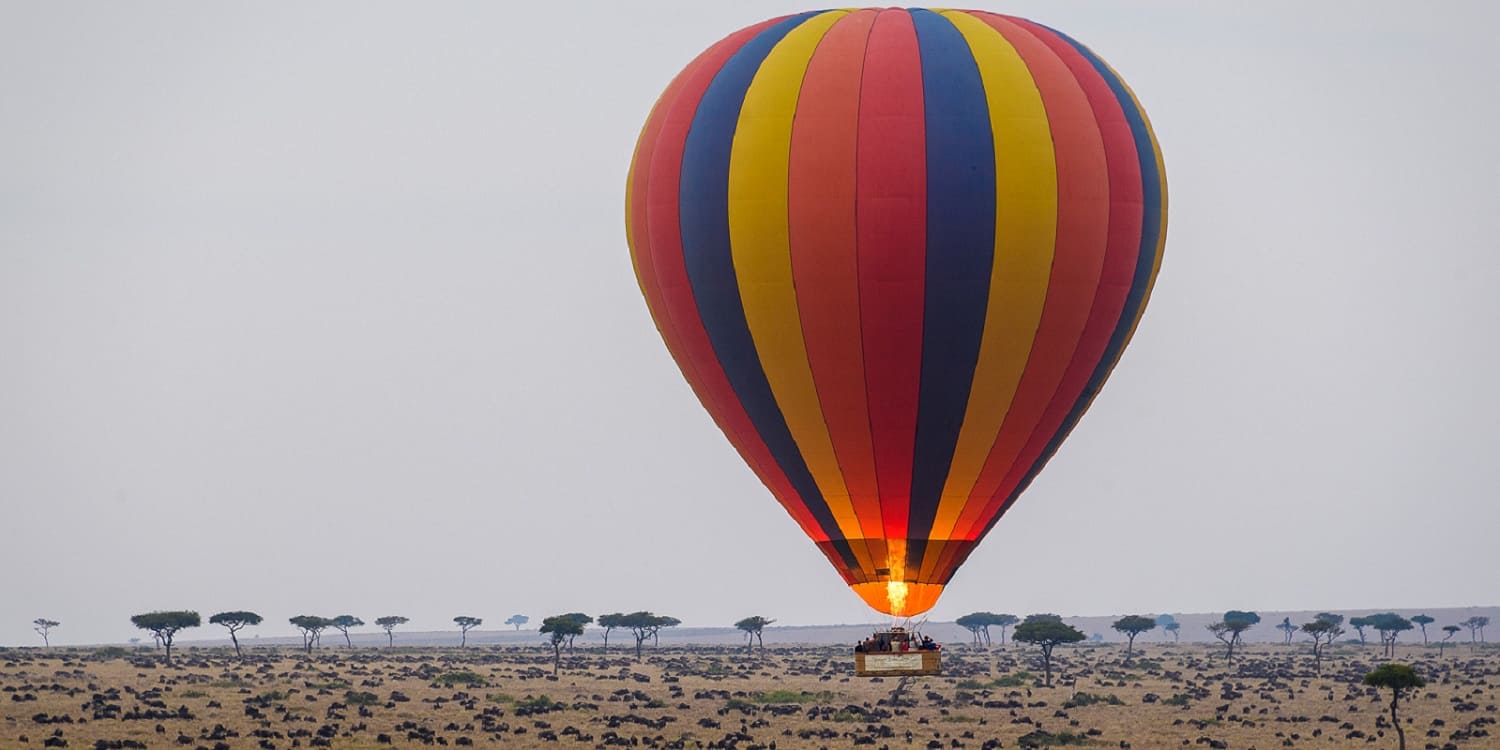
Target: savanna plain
<point x="782" y="696"/>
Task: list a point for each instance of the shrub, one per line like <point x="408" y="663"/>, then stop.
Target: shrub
<point x="359" y="698"/>
<point x="793" y="696"/>
<point x="1089" y="699"/>
<point x="460" y="678"/>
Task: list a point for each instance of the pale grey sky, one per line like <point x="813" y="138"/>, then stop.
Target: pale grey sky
<point x="326" y="308"/>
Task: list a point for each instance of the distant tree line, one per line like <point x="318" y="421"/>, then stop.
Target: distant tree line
<point x="1045" y="631"/>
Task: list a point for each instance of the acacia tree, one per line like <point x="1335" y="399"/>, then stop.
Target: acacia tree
<point x="43" y="626"/>
<point x="1330" y="617"/>
<point x="1230" y="630"/>
<point x="1389" y="625"/>
<point x="165" y="625"/>
<point x="390" y="623"/>
<point x="562" y="629"/>
<point x="974" y="623"/>
<point x="1359" y="624"/>
<point x="1132" y="626"/>
<point x="663" y="622"/>
<point x="465" y="624"/>
<point x="1399" y="678"/>
<point x="342" y="623"/>
<point x="234" y="622"/>
<point x="1287" y="628"/>
<point x="1476" y="624"/>
<point x="753" y="627"/>
<point x="517" y="620"/>
<point x="610" y="622"/>
<point x="1422" y="621"/>
<point x="1451" y="631"/>
<point x="1323" y="633"/>
<point x="979" y="624"/>
<point x="1003" y="622"/>
<point x="583" y="621"/>
<point x="645" y="625"/>
<point x="312" y="627"/>
<point x="1043" y="631"/>
<point x="1174" y="628"/>
<point x="1163" y="622"/>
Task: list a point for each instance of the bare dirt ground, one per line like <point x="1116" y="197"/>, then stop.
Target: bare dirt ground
<point x="713" y="696"/>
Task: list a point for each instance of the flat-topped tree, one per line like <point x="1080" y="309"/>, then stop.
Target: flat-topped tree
<point x="610" y="622"/>
<point x="1475" y="624"/>
<point x="645" y="625"/>
<point x="388" y="624"/>
<point x="165" y="625"/>
<point x="583" y="621"/>
<point x="312" y="627"/>
<point x="234" y="622"/>
<point x="1422" y="621"/>
<point x="43" y="626"/>
<point x="1163" y="621"/>
<point x="1359" y="624"/>
<point x="1046" y="631"/>
<point x="1132" y="626"/>
<point x="342" y="623"/>
<point x="662" y="622"/>
<point x="1399" y="678"/>
<point x="1174" y="628"/>
<point x="974" y="623"/>
<point x="1323" y="633"/>
<point x="1002" y="621"/>
<point x="465" y="624"/>
<point x="1287" y="628"/>
<point x="753" y="627"/>
<point x="979" y="624"/>
<point x="1330" y="617"/>
<point x="1232" y="628"/>
<point x="560" y="629"/>
<point x="1451" y="631"/>
<point x="1390" y="626"/>
<point x="517" y="620"/>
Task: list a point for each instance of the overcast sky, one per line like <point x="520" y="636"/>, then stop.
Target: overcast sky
<point x="326" y="308"/>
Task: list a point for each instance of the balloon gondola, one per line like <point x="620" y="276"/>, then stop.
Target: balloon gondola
<point x="897" y="651"/>
<point x="895" y="254"/>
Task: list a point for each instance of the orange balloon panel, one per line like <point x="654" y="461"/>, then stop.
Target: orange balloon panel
<point x="896" y="253"/>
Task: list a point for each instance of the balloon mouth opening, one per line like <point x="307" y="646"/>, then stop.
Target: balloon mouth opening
<point x="899" y="598"/>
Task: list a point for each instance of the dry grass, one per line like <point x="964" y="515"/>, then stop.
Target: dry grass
<point x="1171" y="696"/>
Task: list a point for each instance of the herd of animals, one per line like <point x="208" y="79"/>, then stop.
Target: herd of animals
<point x="721" y="697"/>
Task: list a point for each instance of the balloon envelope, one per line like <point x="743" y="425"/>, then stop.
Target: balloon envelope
<point x="896" y="253"/>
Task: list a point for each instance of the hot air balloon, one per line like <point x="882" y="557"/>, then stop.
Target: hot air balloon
<point x="896" y="253"/>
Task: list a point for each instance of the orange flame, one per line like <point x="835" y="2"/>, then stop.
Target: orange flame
<point x="882" y="595"/>
<point x="895" y="593"/>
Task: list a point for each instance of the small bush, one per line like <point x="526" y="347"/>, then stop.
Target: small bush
<point x="739" y="704"/>
<point x="460" y="678"/>
<point x="539" y="704"/>
<point x="793" y="696"/>
<point x="1016" y="679"/>
<point x="500" y="698"/>
<point x="1089" y="699"/>
<point x="1040" y="738"/>
<point x="359" y="698"/>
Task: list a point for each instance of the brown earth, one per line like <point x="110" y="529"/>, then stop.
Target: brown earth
<point x="711" y="696"/>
